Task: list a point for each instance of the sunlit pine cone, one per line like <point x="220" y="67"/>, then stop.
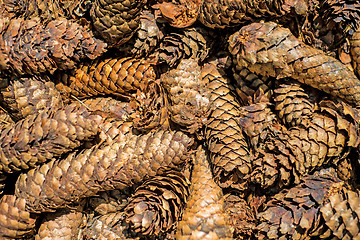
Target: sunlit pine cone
<point x="271" y="50"/>
<point x="204" y="216"/>
<point x="116" y="20"/>
<point x="229" y="150"/>
<point x="28" y="46"/>
<point x="118" y="76"/>
<point x="157" y="204"/>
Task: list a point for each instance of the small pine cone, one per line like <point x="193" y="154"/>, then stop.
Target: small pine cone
<point x="355" y="51"/>
<point x="118" y="76"/>
<point x="62" y="225"/>
<point x="229" y="151"/>
<point x="109" y="202"/>
<point x="227" y="13"/>
<point x="250" y="85"/>
<point x="114" y="165"/>
<point x="292" y="104"/>
<point x="204" y="216"/>
<point x="30" y="47"/>
<point x="270" y="50"/>
<point x="28" y="96"/>
<point x="116" y="20"/>
<point x="189" y="99"/>
<point x="39" y="138"/>
<point x="189" y="43"/>
<point x="294" y="213"/>
<point x="15" y="222"/>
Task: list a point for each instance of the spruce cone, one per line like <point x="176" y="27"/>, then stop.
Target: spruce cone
<point x="204" y="216"/>
<point x="292" y="104"/>
<point x="116" y="20"/>
<point x="39" y="138"/>
<point x="109" y="202"/>
<point x="15" y="222"/>
<point x="270" y="50"/>
<point x="64" y="224"/>
<point x="119" y="76"/>
<point x="28" y="96"/>
<point x="355" y="51"/>
<point x="27" y="46"/>
<point x="229" y="151"/>
<point x="189" y="99"/>
<point x="5" y="119"/>
<point x="114" y="165"/>
<point x="157" y="204"/>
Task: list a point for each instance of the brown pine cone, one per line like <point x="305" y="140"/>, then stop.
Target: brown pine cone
<point x="116" y="20"/>
<point x="109" y="202"/>
<point x="355" y="51"/>
<point x="270" y="50"/>
<point x="115" y="165"/>
<point x="30" y="47"/>
<point x="5" y="119"/>
<point x="189" y="99"/>
<point x="204" y="216"/>
<point x="229" y="151"/>
<point x="39" y="138"/>
<point x="118" y="76"/>
<point x="15" y="222"/>
<point x="157" y="204"/>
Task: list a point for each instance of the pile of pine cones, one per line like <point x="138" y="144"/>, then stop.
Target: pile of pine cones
<point x="183" y="119"/>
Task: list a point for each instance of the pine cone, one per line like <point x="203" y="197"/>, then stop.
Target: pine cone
<point x="116" y="20"/>
<point x="39" y="138"/>
<point x="5" y="119"/>
<point x="114" y="165"/>
<point x="229" y="151"/>
<point x="355" y="51"/>
<point x="204" y="216"/>
<point x="157" y="204"/>
<point x="270" y="50"/>
<point x="189" y="99"/>
<point x="118" y="76"/>
<point x="28" y="46"/>
<point x="15" y="222"/>
<point x="109" y="202"/>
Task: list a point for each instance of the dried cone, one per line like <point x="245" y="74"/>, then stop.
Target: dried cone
<point x="204" y="216"/>
<point x="15" y="222"/>
<point x="294" y="213"/>
<point x="116" y="20"/>
<point x="292" y="104"/>
<point x="63" y="225"/>
<point x="227" y="13"/>
<point x="157" y="204"/>
<point x="118" y="76"/>
<point x="189" y="99"/>
<point x="30" y="47"/>
<point x="109" y="202"/>
<point x="229" y="151"/>
<point x="355" y="51"/>
<point x="270" y="50"/>
<point x="39" y="138"/>
<point x="115" y="165"/>
<point x="28" y="96"/>
<point x="5" y="119"/>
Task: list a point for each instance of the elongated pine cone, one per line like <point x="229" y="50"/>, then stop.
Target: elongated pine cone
<point x="28" y="46"/>
<point x="118" y="76"/>
<point x="204" y="216"/>
<point x="271" y="50"/>
<point x="355" y="51"/>
<point x="116" y="20"/>
<point x="115" y="165"/>
<point x="39" y="138"/>
<point x="157" y="204"/>
<point x="229" y="151"/>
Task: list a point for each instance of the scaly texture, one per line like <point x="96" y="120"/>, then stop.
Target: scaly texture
<point x="270" y="50"/>
<point x="116" y="20"/>
<point x="62" y="225"/>
<point x="39" y="138"/>
<point x="157" y="204"/>
<point x="115" y="165"/>
<point x="27" y="96"/>
<point x="204" y="216"/>
<point x="117" y="76"/>
<point x="15" y="222"/>
<point x="355" y="51"/>
<point x="189" y="99"/>
<point x="109" y="201"/>
<point x="30" y="47"/>
<point x="227" y="13"/>
<point x="229" y="151"/>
